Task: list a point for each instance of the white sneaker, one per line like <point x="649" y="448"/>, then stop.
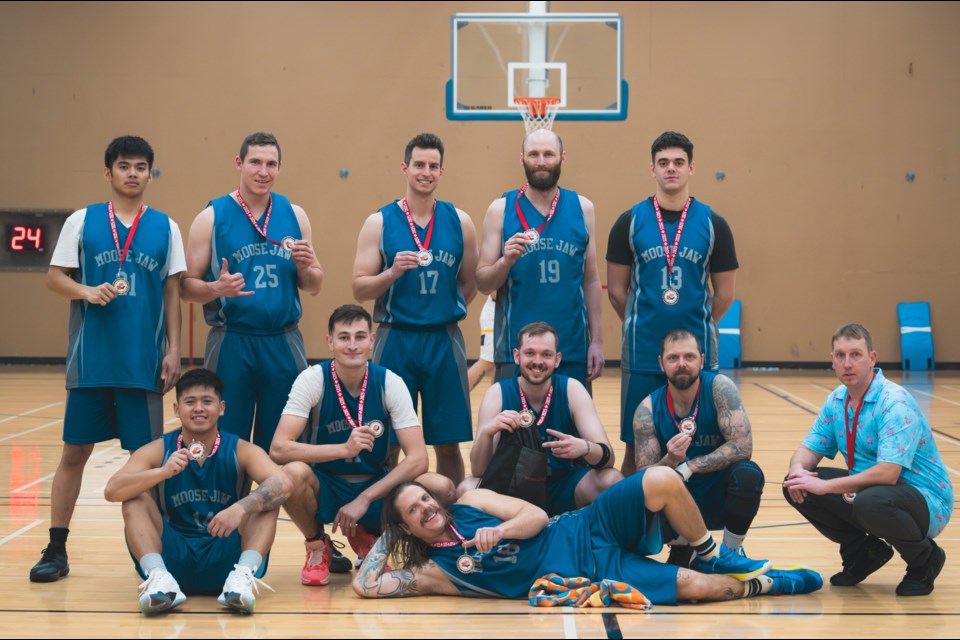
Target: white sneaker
<point x="240" y="589"/>
<point x="160" y="592"/>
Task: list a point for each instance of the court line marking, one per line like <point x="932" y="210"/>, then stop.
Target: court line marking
<point x="569" y="624"/>
<point x="23" y="433"/>
<point x="16" y="533"/>
<point x="26" y="413"/>
<point x="50" y="475"/>
<point x="935" y="397"/>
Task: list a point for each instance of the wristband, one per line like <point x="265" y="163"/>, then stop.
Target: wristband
<point x="684" y="470"/>
<point x="604" y="459"/>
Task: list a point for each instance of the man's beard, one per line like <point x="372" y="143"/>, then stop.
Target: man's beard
<point x="542" y="183"/>
<point x="684" y="381"/>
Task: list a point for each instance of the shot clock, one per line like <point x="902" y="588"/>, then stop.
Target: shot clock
<point x="29" y="236"/>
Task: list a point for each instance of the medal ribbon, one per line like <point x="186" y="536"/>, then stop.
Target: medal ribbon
<point x="216" y="443"/>
<point x="546" y="403"/>
<point x="523" y="220"/>
<point x="696" y="406"/>
<point x="343" y="402"/>
<point x="852" y="433"/>
<point x="116" y="235"/>
<point x="450" y="543"/>
<point x="671" y="254"/>
<point x="253" y="221"/>
<point x="425" y="245"/>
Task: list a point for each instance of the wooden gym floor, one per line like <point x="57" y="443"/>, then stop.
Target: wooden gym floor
<point x="98" y="599"/>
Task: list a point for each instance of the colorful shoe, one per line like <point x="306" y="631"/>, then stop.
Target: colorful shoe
<point x="871" y="556"/>
<point x="339" y="563"/>
<point x="316" y="570"/>
<point x="52" y="566"/>
<point x="362" y="541"/>
<point x="681" y="555"/>
<point x="732" y="564"/>
<point x="791" y="581"/>
<point x="919" y="581"/>
<point x="160" y="592"/>
<point x="240" y="590"/>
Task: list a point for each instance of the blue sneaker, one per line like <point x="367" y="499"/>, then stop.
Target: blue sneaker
<point x="793" y="580"/>
<point x="730" y="563"/>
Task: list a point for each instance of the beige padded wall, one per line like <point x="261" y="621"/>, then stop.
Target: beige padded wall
<point x="814" y="111"/>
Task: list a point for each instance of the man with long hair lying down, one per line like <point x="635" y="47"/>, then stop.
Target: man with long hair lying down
<point x="496" y="546"/>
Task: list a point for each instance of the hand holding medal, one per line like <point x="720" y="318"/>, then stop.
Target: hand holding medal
<point x="424" y="256"/>
<point x="121" y="285"/>
<point x="176" y="463"/>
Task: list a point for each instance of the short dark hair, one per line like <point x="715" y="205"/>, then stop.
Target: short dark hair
<point x="535" y="329"/>
<point x="129" y="146"/>
<point x="677" y="334"/>
<point x="523" y="145"/>
<point x="199" y="378"/>
<point x="853" y="331"/>
<point x="423" y="141"/>
<point x="259" y="139"/>
<point x="407" y="550"/>
<point x="348" y="314"/>
<point x="669" y="140"/>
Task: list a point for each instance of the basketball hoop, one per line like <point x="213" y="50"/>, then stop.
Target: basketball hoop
<point x="537" y="112"/>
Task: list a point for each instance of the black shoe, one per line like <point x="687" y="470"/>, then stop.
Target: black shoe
<point x="52" y="566"/>
<point x="339" y="563"/>
<point x="681" y="555"/>
<point x="919" y="581"/>
<point x="871" y="556"/>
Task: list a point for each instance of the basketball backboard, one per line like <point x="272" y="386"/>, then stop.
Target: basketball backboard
<point x="577" y="57"/>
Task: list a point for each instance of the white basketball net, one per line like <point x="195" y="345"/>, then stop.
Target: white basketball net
<point x="537" y="113"/>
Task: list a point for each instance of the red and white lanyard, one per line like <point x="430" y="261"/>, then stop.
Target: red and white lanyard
<point x="343" y="402"/>
<point x="852" y="432"/>
<point x="253" y="221"/>
<point x="696" y="406"/>
<point x="216" y="443"/>
<point x="116" y="235"/>
<point x="425" y="245"/>
<point x="546" y="403"/>
<point x="668" y="253"/>
<point x="523" y="220"/>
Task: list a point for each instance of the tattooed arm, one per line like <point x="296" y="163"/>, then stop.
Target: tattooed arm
<point x="375" y="580"/>
<point x="647" y="450"/>
<point x="734" y="425"/>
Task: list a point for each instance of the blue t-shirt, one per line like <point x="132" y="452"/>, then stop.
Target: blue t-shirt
<point x="646" y="317"/>
<point x="546" y="282"/>
<point x="426" y="295"/>
<point x="121" y="344"/>
<point x="891" y="428"/>
<point x="190" y="499"/>
<point x="268" y="269"/>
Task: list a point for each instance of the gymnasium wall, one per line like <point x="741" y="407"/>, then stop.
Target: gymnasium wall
<point x="815" y="112"/>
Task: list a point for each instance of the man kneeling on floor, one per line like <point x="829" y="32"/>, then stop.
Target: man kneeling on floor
<point x="496" y="546"/>
<point x="189" y="517"/>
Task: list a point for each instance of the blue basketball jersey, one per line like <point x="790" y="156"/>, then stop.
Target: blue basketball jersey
<point x="120" y="344"/>
<point x="328" y="425"/>
<point x="268" y="269"/>
<point x="558" y="418"/>
<point x="707" y="437"/>
<point x="508" y="570"/>
<point x="190" y="499"/>
<point x="647" y="318"/>
<point x="425" y="295"/>
<point x="546" y="283"/>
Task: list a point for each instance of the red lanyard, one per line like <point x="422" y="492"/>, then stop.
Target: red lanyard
<point x="343" y="402"/>
<point x="696" y="406"/>
<point x="670" y="254"/>
<point x="425" y="245"/>
<point x="852" y="433"/>
<point x="216" y="443"/>
<point x="546" y="403"/>
<point x="116" y="235"/>
<point x="449" y="543"/>
<point x="523" y="220"/>
<point x="253" y="221"/>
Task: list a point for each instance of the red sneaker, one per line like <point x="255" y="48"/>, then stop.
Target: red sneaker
<point x="362" y="542"/>
<point x="316" y="570"/>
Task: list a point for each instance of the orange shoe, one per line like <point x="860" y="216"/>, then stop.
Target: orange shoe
<point x="316" y="570"/>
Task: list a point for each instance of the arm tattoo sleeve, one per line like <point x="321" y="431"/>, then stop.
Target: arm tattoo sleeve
<point x="268" y="496"/>
<point x="734" y="425"/>
<point x="392" y="584"/>
<point x="645" y="443"/>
